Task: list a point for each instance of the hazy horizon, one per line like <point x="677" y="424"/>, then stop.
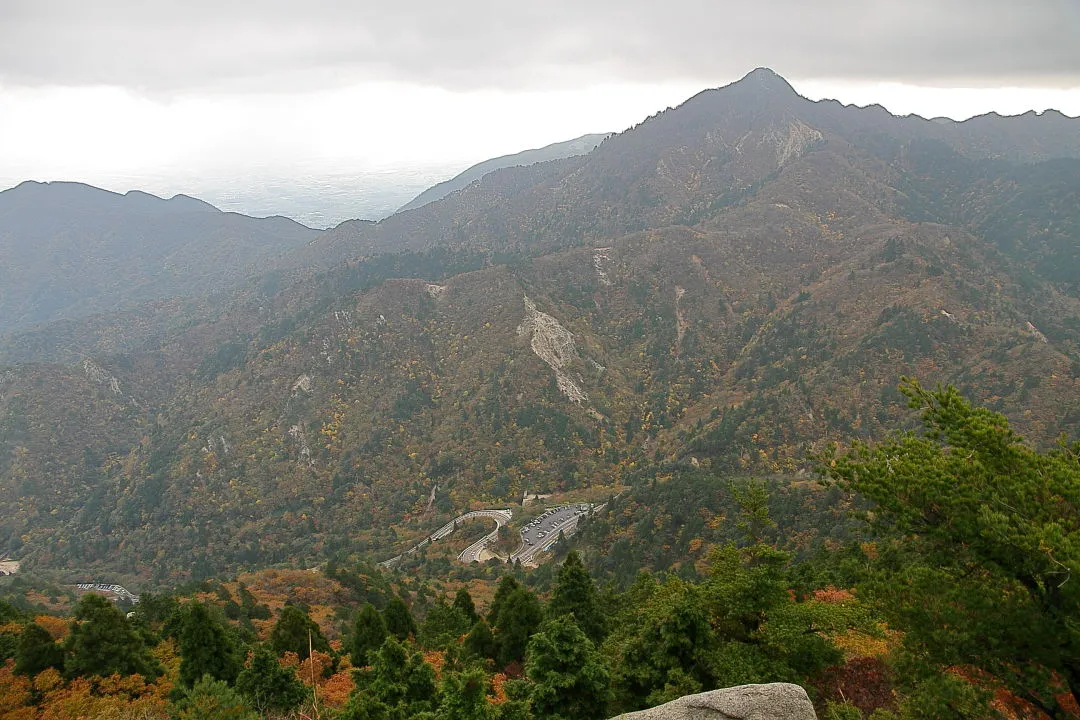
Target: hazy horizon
<point x="333" y="109"/>
<point x="323" y="192"/>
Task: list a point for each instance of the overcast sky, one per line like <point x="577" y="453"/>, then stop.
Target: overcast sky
<point x="163" y="92"/>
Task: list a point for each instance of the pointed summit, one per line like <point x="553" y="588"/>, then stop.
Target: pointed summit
<point x="763" y="78"/>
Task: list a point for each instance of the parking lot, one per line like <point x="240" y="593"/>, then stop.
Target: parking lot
<point x="544" y="529"/>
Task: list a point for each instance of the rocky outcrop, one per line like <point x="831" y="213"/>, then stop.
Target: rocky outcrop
<point x="774" y="701"/>
<point x="553" y="344"/>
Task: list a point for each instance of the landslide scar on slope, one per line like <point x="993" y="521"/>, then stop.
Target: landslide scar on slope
<point x="553" y="344"/>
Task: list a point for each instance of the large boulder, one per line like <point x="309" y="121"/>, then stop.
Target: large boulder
<point x="773" y="701"/>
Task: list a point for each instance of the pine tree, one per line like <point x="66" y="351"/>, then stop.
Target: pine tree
<point x="37" y="651"/>
<point x="443" y="626"/>
<point x="518" y="619"/>
<point x="210" y="699"/>
<point x="399" y="621"/>
<point x="206" y="647"/>
<point x="296" y="632"/>
<point x="268" y="686"/>
<point x="570" y="679"/>
<point x="102" y="642"/>
<point x="480" y="642"/>
<point x="464" y="697"/>
<point x="666" y="640"/>
<point x="9" y="613"/>
<point x="992" y="539"/>
<point x="463" y="601"/>
<point x="507" y="586"/>
<point x="369" y="633"/>
<point x="399" y="684"/>
<point x="254" y="610"/>
<point x="575" y="594"/>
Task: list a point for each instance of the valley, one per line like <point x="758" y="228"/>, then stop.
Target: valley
<point x="731" y="285"/>
<point x="759" y="390"/>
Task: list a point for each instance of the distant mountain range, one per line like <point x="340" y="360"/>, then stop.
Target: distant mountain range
<point x="730" y="285"/>
<point x="555" y="151"/>
<point x="68" y="250"/>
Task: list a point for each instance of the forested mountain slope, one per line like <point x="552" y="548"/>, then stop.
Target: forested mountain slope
<point x="732" y="284"/>
<point x="68" y="250"/>
<point x="555" y="151"/>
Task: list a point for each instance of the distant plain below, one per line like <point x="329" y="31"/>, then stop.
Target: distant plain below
<point x="317" y="198"/>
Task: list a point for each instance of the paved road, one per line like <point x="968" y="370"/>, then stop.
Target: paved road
<point x="501" y="517"/>
<point x="543" y="532"/>
<point x="472" y="553"/>
<point x="117" y="590"/>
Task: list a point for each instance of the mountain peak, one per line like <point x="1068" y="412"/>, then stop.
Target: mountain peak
<point x="766" y="79"/>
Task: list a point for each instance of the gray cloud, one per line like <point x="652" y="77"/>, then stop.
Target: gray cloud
<point x="286" y="45"/>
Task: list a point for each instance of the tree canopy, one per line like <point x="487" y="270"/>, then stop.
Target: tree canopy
<point x="575" y="594"/>
<point x="102" y="642"/>
<point x="296" y="632"/>
<point x="991" y="530"/>
<point x="369" y="633"/>
<point x="206" y="647"/>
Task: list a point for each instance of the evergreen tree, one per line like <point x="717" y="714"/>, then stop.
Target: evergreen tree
<point x="369" y="633"/>
<point x="575" y="594"/>
<point x="507" y="585"/>
<point x="267" y="686"/>
<point x="9" y="613"/>
<point x="296" y="632"/>
<point x="993" y="540"/>
<point x="254" y="610"/>
<point x="102" y="642"/>
<point x="518" y="619"/>
<point x="443" y="626"/>
<point x="206" y="647"/>
<point x="155" y="609"/>
<point x="37" y="651"/>
<point x="364" y="706"/>
<point x="210" y="699"/>
<point x="664" y="639"/>
<point x="463" y="601"/>
<point x="480" y="642"/>
<point x="570" y="679"/>
<point x="763" y="634"/>
<point x="399" y="621"/>
<point x="398" y="685"/>
<point x="464" y="697"/>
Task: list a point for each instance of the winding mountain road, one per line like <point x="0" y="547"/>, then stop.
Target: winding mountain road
<point x="536" y="537"/>
<point x="469" y="554"/>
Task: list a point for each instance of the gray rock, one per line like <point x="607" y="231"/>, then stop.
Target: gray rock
<point x="774" y="701"/>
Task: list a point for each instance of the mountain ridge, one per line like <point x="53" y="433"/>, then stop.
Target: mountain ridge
<point x="70" y="249"/>
<point x="554" y="151"/>
<point x="730" y="285"/>
<point x="514" y="198"/>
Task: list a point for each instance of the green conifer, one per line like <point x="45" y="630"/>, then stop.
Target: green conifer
<point x="37" y="651"/>
<point x="206" y="647"/>
<point x="102" y="642"/>
<point x="369" y="633"/>
<point x="399" y="621"/>
<point x="296" y="632"/>
<point x="267" y="686"/>
<point x="575" y="594"/>
<point x="570" y="679"/>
